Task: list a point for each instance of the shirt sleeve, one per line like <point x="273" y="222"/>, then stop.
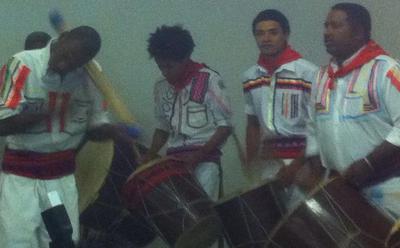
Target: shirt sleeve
<point x="312" y="143"/>
<point x="218" y="101"/>
<point x="391" y="97"/>
<point x="13" y="78"/>
<point x="248" y="100"/>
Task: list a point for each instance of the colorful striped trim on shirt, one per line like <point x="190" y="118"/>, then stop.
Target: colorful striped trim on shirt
<point x="255" y="83"/>
<point x="199" y="87"/>
<point x="363" y="83"/>
<point x="322" y="104"/>
<point x="8" y="79"/>
<point x="293" y="83"/>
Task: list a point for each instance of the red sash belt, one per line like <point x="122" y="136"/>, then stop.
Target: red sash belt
<point x="285" y="147"/>
<point x="184" y="151"/>
<point x="39" y="165"/>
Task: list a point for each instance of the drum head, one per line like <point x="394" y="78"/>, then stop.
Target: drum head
<point x="93" y="164"/>
<point x="148" y="165"/>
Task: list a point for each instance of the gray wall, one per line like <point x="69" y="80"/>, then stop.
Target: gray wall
<point x="221" y="29"/>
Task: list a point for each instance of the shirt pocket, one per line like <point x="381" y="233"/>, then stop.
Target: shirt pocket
<point x="352" y="106"/>
<point x="197" y="116"/>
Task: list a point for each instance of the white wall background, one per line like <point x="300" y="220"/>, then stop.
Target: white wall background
<point x="221" y="30"/>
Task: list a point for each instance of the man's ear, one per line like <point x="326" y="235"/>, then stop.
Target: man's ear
<point x="359" y="34"/>
<point x="63" y="35"/>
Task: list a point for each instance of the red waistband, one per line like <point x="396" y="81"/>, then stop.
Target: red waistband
<point x="39" y="165"/>
<point x="285" y="147"/>
<point x="185" y="151"/>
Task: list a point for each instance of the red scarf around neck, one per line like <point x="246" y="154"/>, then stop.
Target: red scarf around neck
<point x="191" y="69"/>
<point x="271" y="64"/>
<point x="371" y="51"/>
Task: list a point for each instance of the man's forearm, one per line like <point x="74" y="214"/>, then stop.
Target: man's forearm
<point x="20" y="123"/>
<point x="384" y="161"/>
<point x="252" y="141"/>
<point x="160" y="137"/>
<point x="219" y="137"/>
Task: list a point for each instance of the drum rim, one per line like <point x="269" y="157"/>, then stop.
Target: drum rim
<point x="84" y="203"/>
<point x="314" y="191"/>
<point x="151" y="163"/>
<point x="244" y="190"/>
<point x="395" y="230"/>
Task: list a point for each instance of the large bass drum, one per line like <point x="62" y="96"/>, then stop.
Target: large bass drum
<point x="335" y="215"/>
<point x="103" y="168"/>
<point x="249" y="216"/>
<point x="168" y="194"/>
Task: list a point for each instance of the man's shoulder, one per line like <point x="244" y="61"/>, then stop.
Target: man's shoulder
<point x="305" y="64"/>
<point x="300" y="69"/>
<point x="29" y="58"/>
<point x="209" y="70"/>
<point x="252" y="72"/>
<point x="160" y="83"/>
<point x="387" y="60"/>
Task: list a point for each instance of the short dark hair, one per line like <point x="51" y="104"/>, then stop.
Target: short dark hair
<point x="272" y="15"/>
<point x="36" y="40"/>
<point x="357" y="15"/>
<point x="89" y="39"/>
<point x="170" y="42"/>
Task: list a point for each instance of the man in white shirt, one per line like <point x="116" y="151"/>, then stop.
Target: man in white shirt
<point x="355" y="101"/>
<point x="276" y="91"/>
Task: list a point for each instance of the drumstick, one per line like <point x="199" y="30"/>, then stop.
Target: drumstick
<point x="99" y="78"/>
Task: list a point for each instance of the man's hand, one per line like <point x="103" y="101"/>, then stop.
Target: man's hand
<point x="358" y="173"/>
<point x="20" y="123"/>
<point x="192" y="158"/>
<point x="287" y="174"/>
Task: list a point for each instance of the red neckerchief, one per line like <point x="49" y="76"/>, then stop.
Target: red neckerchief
<point x="191" y="69"/>
<point x="271" y="64"/>
<point x="369" y="52"/>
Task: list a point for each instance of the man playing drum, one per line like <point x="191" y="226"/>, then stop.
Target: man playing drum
<point x="355" y="103"/>
<point x="191" y="108"/>
<point x="276" y="92"/>
<point x="47" y="105"/>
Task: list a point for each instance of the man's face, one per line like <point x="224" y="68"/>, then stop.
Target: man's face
<point x="270" y="38"/>
<point x="341" y="40"/>
<point x="66" y="56"/>
<point x="172" y="70"/>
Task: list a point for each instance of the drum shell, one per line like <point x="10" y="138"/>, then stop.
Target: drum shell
<point x="106" y="213"/>
<point x="169" y="196"/>
<point x="249" y="217"/>
<point x="334" y="215"/>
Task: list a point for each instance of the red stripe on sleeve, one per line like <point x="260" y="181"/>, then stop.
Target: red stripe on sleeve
<point x="394" y="75"/>
<point x="15" y="98"/>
